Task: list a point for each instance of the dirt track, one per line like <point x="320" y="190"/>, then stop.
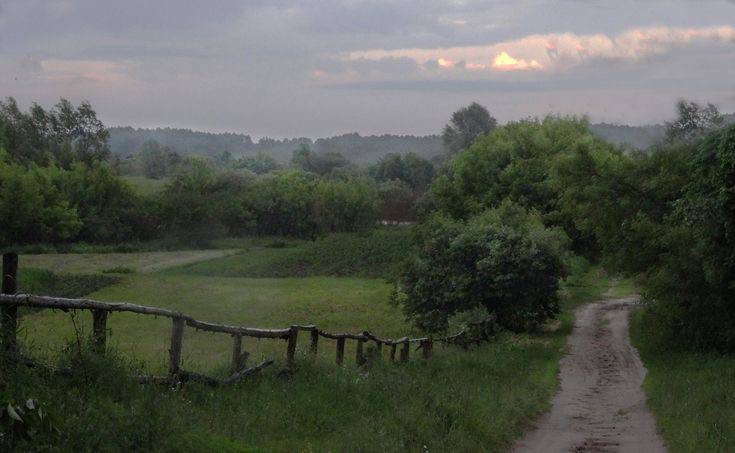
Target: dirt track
<point x="600" y="406"/>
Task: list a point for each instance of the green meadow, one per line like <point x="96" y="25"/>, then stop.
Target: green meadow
<point x="479" y="400"/>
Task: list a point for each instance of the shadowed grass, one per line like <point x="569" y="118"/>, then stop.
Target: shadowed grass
<point x="690" y="393"/>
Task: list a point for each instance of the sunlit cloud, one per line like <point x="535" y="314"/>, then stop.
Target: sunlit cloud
<point x="558" y="51"/>
<point x="504" y="62"/>
<point x="445" y="63"/>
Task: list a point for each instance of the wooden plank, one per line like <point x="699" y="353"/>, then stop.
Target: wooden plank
<point x="405" y="351"/>
<point x="245" y="331"/>
<point x="314" y="343"/>
<point x="177" y="335"/>
<point x="340" y="351"/>
<point x="291" y="348"/>
<point x="62" y="303"/>
<point x="393" y="347"/>
<point x="359" y="354"/>
<point x="337" y="336"/>
<point x="9" y="313"/>
<point x="99" y="330"/>
<point x="246" y="372"/>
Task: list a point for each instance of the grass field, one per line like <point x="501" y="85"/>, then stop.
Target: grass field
<point x="691" y="394"/>
<point x="478" y="400"/>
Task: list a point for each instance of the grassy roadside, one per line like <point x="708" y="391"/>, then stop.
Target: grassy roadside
<point x="691" y="394"/>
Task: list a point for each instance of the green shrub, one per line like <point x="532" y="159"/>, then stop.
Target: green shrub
<point x="504" y="260"/>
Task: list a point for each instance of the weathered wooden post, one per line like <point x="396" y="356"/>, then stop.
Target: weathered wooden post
<point x="405" y="351"/>
<point x="340" y="351"/>
<point x="9" y="313"/>
<point x="393" y="347"/>
<point x="359" y="354"/>
<point x="426" y="348"/>
<point x="291" y="349"/>
<point x="177" y="335"/>
<point x="379" y="350"/>
<point x="314" y="342"/>
<point x="237" y="356"/>
<point x="99" y="330"/>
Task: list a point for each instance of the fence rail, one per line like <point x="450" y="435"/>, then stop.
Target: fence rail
<point x="9" y="303"/>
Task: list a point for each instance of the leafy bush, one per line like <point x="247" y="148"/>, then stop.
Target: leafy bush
<point x="504" y="260"/>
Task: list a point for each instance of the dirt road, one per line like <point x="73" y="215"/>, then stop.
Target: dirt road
<point x="600" y="406"/>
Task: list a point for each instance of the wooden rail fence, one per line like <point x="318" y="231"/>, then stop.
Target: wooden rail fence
<point x="10" y="301"/>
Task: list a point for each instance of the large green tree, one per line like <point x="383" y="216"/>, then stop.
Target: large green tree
<point x="465" y="125"/>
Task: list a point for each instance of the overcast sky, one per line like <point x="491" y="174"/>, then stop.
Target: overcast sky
<point x="314" y="68"/>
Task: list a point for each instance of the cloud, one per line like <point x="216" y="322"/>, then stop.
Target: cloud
<point x="505" y="62"/>
<point x="560" y="51"/>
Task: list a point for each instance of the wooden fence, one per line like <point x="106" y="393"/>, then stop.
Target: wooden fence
<point x="10" y="301"/>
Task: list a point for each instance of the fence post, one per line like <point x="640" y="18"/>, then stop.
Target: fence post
<point x="405" y="351"/>
<point x="340" y="351"/>
<point x="9" y="313"/>
<point x="379" y="349"/>
<point x="291" y="349"/>
<point x="99" y="330"/>
<point x="426" y="348"/>
<point x="237" y="358"/>
<point x="393" y="347"/>
<point x="359" y="355"/>
<point x="314" y="342"/>
<point x="177" y="335"/>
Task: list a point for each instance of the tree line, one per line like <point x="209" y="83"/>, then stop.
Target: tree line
<point x="60" y="183"/>
<point x="525" y="201"/>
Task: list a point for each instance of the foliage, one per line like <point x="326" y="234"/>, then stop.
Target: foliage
<point x="504" y="260"/>
<point x="32" y="208"/>
<point x="410" y="168"/>
<point x="345" y="205"/>
<point x="396" y="201"/>
<point x="157" y="161"/>
<point x="259" y="163"/>
<point x="62" y="135"/>
<point x="693" y="121"/>
<point x="465" y="126"/>
<point x="320" y="163"/>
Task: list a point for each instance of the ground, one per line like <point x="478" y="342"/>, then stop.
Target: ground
<point x="481" y="399"/>
<point x="601" y="406"/>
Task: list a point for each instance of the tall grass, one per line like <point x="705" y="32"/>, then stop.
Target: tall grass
<point x="690" y="393"/>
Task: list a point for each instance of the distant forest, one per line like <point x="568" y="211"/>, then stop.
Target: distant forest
<point x="127" y="141"/>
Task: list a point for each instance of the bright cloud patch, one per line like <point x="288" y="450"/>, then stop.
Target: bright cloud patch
<point x="557" y="51"/>
<point x="505" y="62"/>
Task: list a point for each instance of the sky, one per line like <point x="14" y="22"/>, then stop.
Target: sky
<point x="316" y="68"/>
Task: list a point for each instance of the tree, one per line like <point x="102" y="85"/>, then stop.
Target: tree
<point x="345" y="205"/>
<point x="693" y="121"/>
<point x="395" y="201"/>
<point x="465" y="126"/>
<point x="64" y="134"/>
<point x="504" y="261"/>
<point x="259" y="164"/>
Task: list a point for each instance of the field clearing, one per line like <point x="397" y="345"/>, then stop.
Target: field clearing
<point x="84" y="263"/>
<point x="335" y="304"/>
